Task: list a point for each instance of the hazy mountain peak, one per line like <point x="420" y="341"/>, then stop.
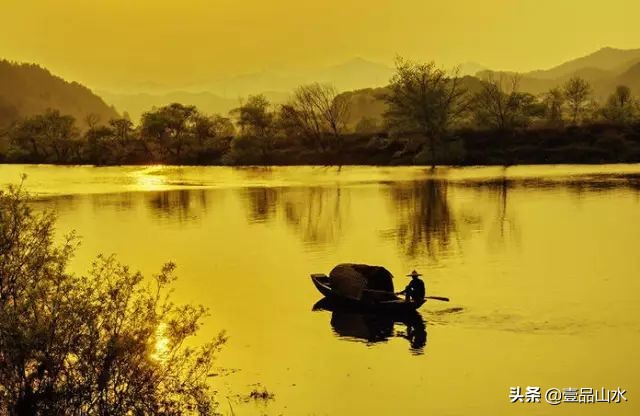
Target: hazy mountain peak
<point x="604" y="59"/>
<point x="353" y="74"/>
<point x="359" y="61"/>
<point x="471" y="68"/>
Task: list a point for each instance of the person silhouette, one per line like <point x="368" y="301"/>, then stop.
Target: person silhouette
<point x="415" y="290"/>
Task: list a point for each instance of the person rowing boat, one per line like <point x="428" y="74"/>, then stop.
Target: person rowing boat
<point x="415" y="290"/>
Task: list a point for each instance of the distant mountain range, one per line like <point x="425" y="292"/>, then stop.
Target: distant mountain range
<point x="604" y="69"/>
<point x="136" y="104"/>
<point x="351" y="75"/>
<point x="604" y="62"/>
<point x="222" y="95"/>
<point x="27" y="89"/>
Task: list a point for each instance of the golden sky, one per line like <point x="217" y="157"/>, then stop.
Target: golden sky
<point x="115" y="43"/>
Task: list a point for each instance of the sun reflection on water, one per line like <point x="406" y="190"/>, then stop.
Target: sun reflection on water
<point x="150" y="178"/>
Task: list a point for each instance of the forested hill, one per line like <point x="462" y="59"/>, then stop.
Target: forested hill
<point x="27" y="89"/>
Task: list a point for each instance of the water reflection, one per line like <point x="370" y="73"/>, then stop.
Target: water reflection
<point x="425" y="222"/>
<point x="503" y="228"/>
<point x="570" y="285"/>
<point x="116" y="202"/>
<point x="372" y="328"/>
<point x="262" y="204"/>
<point x="181" y="205"/>
<point x="176" y="206"/>
<point x="603" y="183"/>
<point x="430" y="218"/>
<point x="317" y="214"/>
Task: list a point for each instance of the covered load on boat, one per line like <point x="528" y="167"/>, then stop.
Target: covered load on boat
<point x="361" y="281"/>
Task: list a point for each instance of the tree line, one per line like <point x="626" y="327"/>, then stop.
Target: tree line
<point x="428" y="100"/>
<point x="177" y="133"/>
<point x="427" y="110"/>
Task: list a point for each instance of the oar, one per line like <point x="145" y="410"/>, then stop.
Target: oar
<point x="437" y="298"/>
<point x="393" y="293"/>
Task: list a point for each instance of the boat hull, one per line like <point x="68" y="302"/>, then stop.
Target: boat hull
<point x="394" y="304"/>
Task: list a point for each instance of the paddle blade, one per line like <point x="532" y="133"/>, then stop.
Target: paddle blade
<point x="438" y="298"/>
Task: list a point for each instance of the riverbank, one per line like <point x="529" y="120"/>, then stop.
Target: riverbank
<point x="588" y="144"/>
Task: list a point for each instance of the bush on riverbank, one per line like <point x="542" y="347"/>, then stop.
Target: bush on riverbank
<point x="106" y="343"/>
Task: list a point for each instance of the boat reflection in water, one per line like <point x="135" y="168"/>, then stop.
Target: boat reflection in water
<point x="375" y="327"/>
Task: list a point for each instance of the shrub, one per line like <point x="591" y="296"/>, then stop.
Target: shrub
<point x="106" y="343"/>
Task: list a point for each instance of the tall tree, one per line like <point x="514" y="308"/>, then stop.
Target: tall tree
<point x="257" y="122"/>
<point x="553" y="105"/>
<point x="46" y="137"/>
<point x="170" y="126"/>
<point x="576" y="92"/>
<point x="255" y="117"/>
<point x="620" y="107"/>
<point x="100" y="145"/>
<point x="425" y="99"/>
<point x="367" y="125"/>
<point x="206" y="127"/>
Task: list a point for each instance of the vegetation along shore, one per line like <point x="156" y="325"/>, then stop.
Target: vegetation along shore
<point x="425" y="116"/>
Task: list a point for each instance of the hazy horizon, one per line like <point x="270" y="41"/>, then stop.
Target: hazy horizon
<point x="115" y="45"/>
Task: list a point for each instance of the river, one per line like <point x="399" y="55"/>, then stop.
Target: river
<point x="541" y="265"/>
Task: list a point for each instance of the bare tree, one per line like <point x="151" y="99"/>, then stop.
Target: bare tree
<point x="332" y="108"/>
<point x="500" y="105"/>
<point x="576" y="92"/>
<point x="302" y="113"/>
<point x="92" y="120"/>
<point x="317" y="110"/>
<point x="425" y="99"/>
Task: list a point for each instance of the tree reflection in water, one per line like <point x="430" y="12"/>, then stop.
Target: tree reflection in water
<point x="181" y="205"/>
<point x="504" y="229"/>
<point x="262" y="203"/>
<point x="317" y="214"/>
<point x="373" y="328"/>
<point x="425" y="222"/>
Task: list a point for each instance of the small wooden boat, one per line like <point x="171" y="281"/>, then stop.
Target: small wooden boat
<point x="370" y="300"/>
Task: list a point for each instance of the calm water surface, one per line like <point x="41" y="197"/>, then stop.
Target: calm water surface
<point x="541" y="264"/>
